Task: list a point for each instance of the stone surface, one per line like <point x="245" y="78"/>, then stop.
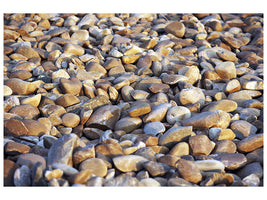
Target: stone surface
<point x="232" y="161"/>
<point x="128" y="124"/>
<point x="177" y="114"/>
<point x="22" y="176"/>
<point x="26" y="110"/>
<point x="129" y="163"/>
<point x="9" y="169"/>
<point x="72" y="86"/>
<point x="181" y="148"/>
<point x="191" y="95"/>
<point x="15" y="128"/>
<point x="95" y="165"/>
<point x="62" y="149"/>
<point x="176" y="28"/>
<point x="14" y="148"/>
<point x="21" y="87"/>
<point x="67" y="100"/>
<point x="243" y="129"/>
<point x="250" y="143"/>
<point x="30" y="159"/>
<point x="189" y="171"/>
<point x="139" y="109"/>
<point x="157" y="113"/>
<point x="154" y="128"/>
<point x="35" y="128"/>
<point x="156" y="169"/>
<point x="224" y="105"/>
<point x="70" y="120"/>
<point x="201" y="145"/>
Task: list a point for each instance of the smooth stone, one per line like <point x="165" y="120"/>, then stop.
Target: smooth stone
<point x="181" y="148"/>
<point x="26" y="110"/>
<point x="28" y="52"/>
<point x="177" y="114"/>
<point x="243" y="129"/>
<point x="157" y="113"/>
<point x="7" y="90"/>
<point x="95" y="165"/>
<point x="156" y="169"/>
<point x="172" y="79"/>
<point x="129" y="163"/>
<point x="225" y="146"/>
<point x="70" y="120"/>
<point x="154" y="128"/>
<point x="169" y="160"/>
<point x="201" y="145"/>
<point x="147" y="153"/>
<point x="226" y="70"/>
<point x="9" y="169"/>
<point x="227" y="55"/>
<point x="53" y="113"/>
<point x="179" y="182"/>
<point x="72" y="86"/>
<point x="94" y="66"/>
<point x="61" y="150"/>
<point x="252" y="85"/>
<point x="15" y="148"/>
<point x="35" y="128"/>
<point x="251" y="180"/>
<point x="56" y="173"/>
<point x="124" y="180"/>
<point x="104" y="117"/>
<point x="22" y="176"/>
<point x="209" y="165"/>
<point x="30" y="159"/>
<point x="255" y="156"/>
<point x="128" y="124"/>
<point x="219" y="119"/>
<point x="191" y="95"/>
<point x="67" y="170"/>
<point x="189" y="171"/>
<point x="88" y="19"/>
<point x="11" y="102"/>
<point x="176" y="28"/>
<point x="218" y="178"/>
<point x="158" y="87"/>
<point x="73" y="48"/>
<point x="221" y="134"/>
<point x="80" y="35"/>
<point x="147" y="139"/>
<point x="139" y="94"/>
<point x="33" y="100"/>
<point x="175" y="135"/>
<point x="232" y="161"/>
<point x="15" y="128"/>
<point x="236" y="42"/>
<point x="251" y="168"/>
<point x="241" y="96"/>
<point x="149" y="182"/>
<point x="20" y="87"/>
<point x="250" y="143"/>
<point x="110" y="148"/>
<point x="57" y="75"/>
<point x="232" y="86"/>
<point x="192" y="73"/>
<point x="81" y="177"/>
<point x="67" y="100"/>
<point x="224" y="105"/>
<point x="139" y="109"/>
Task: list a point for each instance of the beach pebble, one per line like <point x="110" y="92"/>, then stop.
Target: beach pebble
<point x="129" y="163"/>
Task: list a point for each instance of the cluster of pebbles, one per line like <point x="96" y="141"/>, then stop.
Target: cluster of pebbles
<point x="133" y="99"/>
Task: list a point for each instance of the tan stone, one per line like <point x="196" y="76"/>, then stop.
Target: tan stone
<point x="201" y="145"/>
<point x="70" y="120"/>
<point x="95" y="165"/>
<point x="189" y="171"/>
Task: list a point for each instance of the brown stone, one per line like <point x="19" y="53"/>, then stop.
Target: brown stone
<point x="232" y="161"/>
<point x="26" y="110"/>
<point x="94" y="66"/>
<point x="95" y="165"/>
<point x="70" y="120"/>
<point x="81" y="177"/>
<point x="139" y="109"/>
<point x="67" y="100"/>
<point x="15" y="128"/>
<point x="73" y="48"/>
<point x="176" y="28"/>
<point x="181" y="148"/>
<point x="189" y="171"/>
<point x="156" y="169"/>
<point x="243" y="129"/>
<point x="14" y="148"/>
<point x="201" y="145"/>
<point x="20" y="87"/>
<point x="27" y="52"/>
<point x="224" y="104"/>
<point x="35" y="128"/>
<point x="250" y="143"/>
<point x="109" y="149"/>
<point x="9" y="170"/>
<point x="72" y="86"/>
<point x="169" y="160"/>
<point x="128" y="163"/>
<point x="225" y="146"/>
<point x="157" y="113"/>
<point x="158" y="87"/>
<point x="21" y="74"/>
<point x="30" y="159"/>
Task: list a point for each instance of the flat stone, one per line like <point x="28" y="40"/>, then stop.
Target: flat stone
<point x="30" y="159"/>
<point x="176" y="28"/>
<point x="232" y="161"/>
<point x="181" y="148"/>
<point x="157" y="113"/>
<point x="226" y="70"/>
<point x="122" y="180"/>
<point x="139" y="109"/>
<point x="172" y="79"/>
<point x="250" y="143"/>
<point x="15" y="148"/>
<point x="68" y="170"/>
<point x="251" y="168"/>
<point x="148" y="139"/>
<point x="149" y="182"/>
<point x="251" y="180"/>
<point x="72" y="86"/>
<point x="81" y="177"/>
<point x="209" y="165"/>
<point x="33" y="100"/>
<point x="70" y="120"/>
<point x="221" y="134"/>
<point x="57" y="75"/>
<point x="191" y="72"/>
<point x="224" y="105"/>
<point x="9" y="34"/>
<point x="225" y="146"/>
<point x="9" y="169"/>
<point x="232" y="86"/>
<point x="177" y="114"/>
<point x="189" y="171"/>
<point x="175" y="135"/>
<point x="243" y="129"/>
<point x="35" y="128"/>
<point x="227" y="55"/>
<point x="218" y="178"/>
<point x="154" y="128"/>
<point x="191" y="95"/>
<point x="20" y="87"/>
<point x="94" y="66"/>
<point x="236" y="42"/>
<point x="104" y="118"/>
<point x="95" y="165"/>
<point x="88" y="19"/>
<point x="179" y="182"/>
<point x="7" y="90"/>
<point x="62" y="149"/>
<point x="67" y="100"/>
<point x="15" y="128"/>
<point x="201" y="145"/>
<point x="80" y="35"/>
<point x="11" y="102"/>
<point x="73" y="48"/>
<point x="56" y="173"/>
<point x="156" y="169"/>
<point x="128" y="124"/>
<point x="147" y="153"/>
<point x="158" y="87"/>
<point x="86" y="152"/>
<point x="28" y="52"/>
<point x="219" y="119"/>
<point x="26" y="110"/>
<point x="20" y="74"/>
<point x="139" y="94"/>
<point x="22" y="176"/>
<point x="53" y="113"/>
<point x="110" y="149"/>
<point x="129" y="163"/>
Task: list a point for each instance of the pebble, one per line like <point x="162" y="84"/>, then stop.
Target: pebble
<point x="177" y="114"/>
<point x="129" y="163"/>
<point x="139" y="109"/>
<point x="250" y="143"/>
<point x="15" y="148"/>
<point x="86" y="152"/>
<point x="176" y="28"/>
<point x="15" y="128"/>
<point x="179" y="182"/>
<point x="20" y="87"/>
<point x="22" y="176"/>
<point x="157" y="113"/>
<point x="156" y="169"/>
<point x="201" y="145"/>
<point x="232" y="161"/>
<point x="209" y="165"/>
<point x="95" y="165"/>
<point x="154" y="128"/>
<point x="110" y="149"/>
<point x="67" y="100"/>
<point x="251" y="168"/>
<point x="104" y="117"/>
<point x="225" y="146"/>
<point x="221" y="134"/>
<point x="189" y="171"/>
<point x="70" y="119"/>
<point x="224" y="105"/>
<point x="62" y="149"/>
<point x="33" y="100"/>
<point x="30" y="159"/>
<point x="9" y="169"/>
<point x="72" y="86"/>
<point x="35" y="128"/>
<point x="181" y="148"/>
<point x="226" y="70"/>
<point x="175" y="135"/>
<point x="147" y="153"/>
<point x="191" y="95"/>
<point x="128" y="124"/>
<point x="149" y="182"/>
<point x="243" y="129"/>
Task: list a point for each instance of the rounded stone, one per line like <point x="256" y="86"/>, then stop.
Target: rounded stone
<point x="250" y="143"/>
<point x="176" y="28"/>
<point x="7" y="90"/>
<point x="201" y="145"/>
<point x="224" y="105"/>
<point x="72" y="86"/>
<point x="208" y="165"/>
<point x="225" y="146"/>
<point x="177" y="114"/>
<point x="232" y="161"/>
<point x="129" y="163"/>
<point x="22" y="176"/>
<point x="15" y="148"/>
<point x="191" y="95"/>
<point x="189" y="171"/>
<point x="20" y="87"/>
<point x="26" y="110"/>
<point x="70" y="120"/>
<point x="157" y="113"/>
<point x="226" y="70"/>
<point x="30" y="159"/>
<point x="27" y="52"/>
<point x="67" y="100"/>
<point x="128" y="124"/>
<point x="73" y="48"/>
<point x="95" y="165"/>
<point x="139" y="109"/>
<point x="15" y="128"/>
<point x="154" y="128"/>
<point x="35" y="128"/>
<point x="156" y="169"/>
<point x="181" y="148"/>
<point x="243" y="129"/>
